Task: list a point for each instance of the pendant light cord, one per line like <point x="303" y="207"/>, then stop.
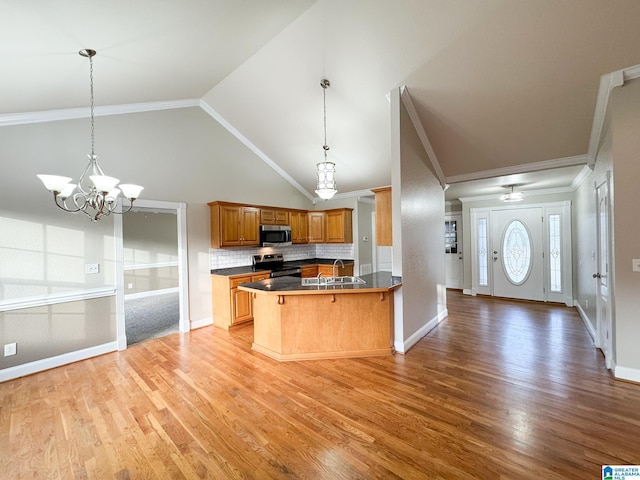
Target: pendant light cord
<point x="325" y="84"/>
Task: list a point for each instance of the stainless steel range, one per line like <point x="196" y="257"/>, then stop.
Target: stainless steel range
<point x="275" y="263"/>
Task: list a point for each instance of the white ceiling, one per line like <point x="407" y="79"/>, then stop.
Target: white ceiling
<point x="496" y="83"/>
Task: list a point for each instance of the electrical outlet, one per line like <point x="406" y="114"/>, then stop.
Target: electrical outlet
<point x="91" y="268"/>
<point x="10" y="349"/>
<point x="129" y="285"/>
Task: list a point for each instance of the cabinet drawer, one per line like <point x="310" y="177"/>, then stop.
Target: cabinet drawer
<point x="261" y="276"/>
<point x="235" y="281"/>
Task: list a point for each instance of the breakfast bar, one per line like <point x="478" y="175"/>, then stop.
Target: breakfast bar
<point x="336" y="318"/>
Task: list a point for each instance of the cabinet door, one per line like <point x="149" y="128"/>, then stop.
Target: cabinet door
<point x="299" y="227"/>
<point x="317" y="227"/>
<point x="267" y="216"/>
<point x="339" y="228"/>
<point x="282" y="217"/>
<point x="250" y="226"/>
<point x="241" y="306"/>
<point x="384" y="232"/>
<point x="230" y="233"/>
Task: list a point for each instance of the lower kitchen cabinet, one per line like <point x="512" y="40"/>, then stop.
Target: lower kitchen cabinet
<point x="327" y="270"/>
<point x="232" y="306"/>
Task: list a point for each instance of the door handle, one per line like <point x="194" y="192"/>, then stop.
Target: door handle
<point x="597" y="275"/>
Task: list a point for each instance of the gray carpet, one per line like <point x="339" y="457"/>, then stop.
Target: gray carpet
<point x="151" y="317"/>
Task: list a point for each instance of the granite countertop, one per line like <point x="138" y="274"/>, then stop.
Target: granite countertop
<point x="375" y="282"/>
<point x="248" y="269"/>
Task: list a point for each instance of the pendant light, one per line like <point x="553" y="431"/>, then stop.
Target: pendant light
<point x="326" y="171"/>
<point x="98" y="198"/>
<point x="512" y="196"/>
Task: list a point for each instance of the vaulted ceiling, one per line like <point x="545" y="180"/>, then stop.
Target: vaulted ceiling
<point x="496" y="84"/>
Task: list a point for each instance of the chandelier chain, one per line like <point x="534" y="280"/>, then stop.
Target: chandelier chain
<point x="93" y="140"/>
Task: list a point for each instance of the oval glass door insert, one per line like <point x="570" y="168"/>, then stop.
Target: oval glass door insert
<point x="516" y="252"/>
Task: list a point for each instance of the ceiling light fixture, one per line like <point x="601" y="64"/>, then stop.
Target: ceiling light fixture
<point x="512" y="196"/>
<point x="100" y="198"/>
<point x="326" y="186"/>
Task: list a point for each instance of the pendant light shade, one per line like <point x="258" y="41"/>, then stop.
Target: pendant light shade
<point x="325" y="171"/>
<point x="96" y="198"/>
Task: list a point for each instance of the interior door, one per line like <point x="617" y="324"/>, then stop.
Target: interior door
<point x="453" y="251"/>
<point x="517" y="253"/>
<point x="603" y="315"/>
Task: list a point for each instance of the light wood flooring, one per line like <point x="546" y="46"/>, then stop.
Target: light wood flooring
<point x="500" y="389"/>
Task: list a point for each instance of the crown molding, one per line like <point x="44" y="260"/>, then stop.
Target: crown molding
<point x="8" y="119"/>
<point x="338" y="196"/>
<point x="527" y="194"/>
<point x="523" y="168"/>
<point x="422" y="135"/>
<point x="247" y="143"/>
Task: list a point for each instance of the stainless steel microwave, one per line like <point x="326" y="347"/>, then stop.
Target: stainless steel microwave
<point x="275" y="235"/>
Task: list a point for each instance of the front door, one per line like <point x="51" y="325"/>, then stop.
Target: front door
<point x="517" y="253"/>
<point x="603" y="315"/>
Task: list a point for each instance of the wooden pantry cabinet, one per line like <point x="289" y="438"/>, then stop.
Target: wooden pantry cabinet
<point x="234" y="225"/>
<point x="384" y="233"/>
<point x="232" y="306"/>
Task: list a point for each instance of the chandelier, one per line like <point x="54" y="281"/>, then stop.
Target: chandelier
<point x="512" y="196"/>
<point x="96" y="194"/>
<point x="326" y="171"/>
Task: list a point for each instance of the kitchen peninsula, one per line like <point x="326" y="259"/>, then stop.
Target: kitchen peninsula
<point x="297" y="322"/>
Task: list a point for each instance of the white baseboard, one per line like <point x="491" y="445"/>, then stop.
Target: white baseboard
<point x="467" y="291"/>
<point x="151" y="293"/>
<point x="585" y="320"/>
<point x="57" y="361"/>
<point x="201" y="323"/>
<point x="626" y="373"/>
<point x="422" y="331"/>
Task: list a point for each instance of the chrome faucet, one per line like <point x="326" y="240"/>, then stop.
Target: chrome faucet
<point x="334" y="265"/>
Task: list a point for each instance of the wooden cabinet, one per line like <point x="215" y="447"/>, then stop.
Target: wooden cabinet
<point x="232" y="306"/>
<point x="274" y="216"/>
<point x="234" y="225"/>
<point x="328" y="270"/>
<point x="299" y="226"/>
<point x="383" y="216"/>
<point x="339" y="225"/>
<point x="309" y="271"/>
<point x="317" y="224"/>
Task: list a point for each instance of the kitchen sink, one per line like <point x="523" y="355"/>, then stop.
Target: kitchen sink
<point x="329" y="281"/>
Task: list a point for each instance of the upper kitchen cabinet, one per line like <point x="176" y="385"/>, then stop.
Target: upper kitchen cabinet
<point x="317" y="224"/>
<point x="331" y="226"/>
<point x="339" y="225"/>
<point x="273" y="216"/>
<point x="234" y="225"/>
<point x="383" y="216"/>
<point x="299" y="226"/>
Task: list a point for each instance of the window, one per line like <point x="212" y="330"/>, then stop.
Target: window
<point x="555" y="259"/>
<point x="516" y="252"/>
<point x="450" y="236"/>
<point x="483" y="265"/>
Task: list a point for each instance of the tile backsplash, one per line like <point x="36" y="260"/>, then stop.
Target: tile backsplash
<point x="238" y="257"/>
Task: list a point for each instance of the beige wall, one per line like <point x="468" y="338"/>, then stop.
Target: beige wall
<point x="585" y="234"/>
<point x="625" y="150"/>
<point x="47" y="331"/>
<point x="418" y="231"/>
<point x="179" y="155"/>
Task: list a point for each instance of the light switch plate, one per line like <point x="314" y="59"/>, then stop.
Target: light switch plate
<point x="91" y="268"/>
<point x="635" y="264"/>
<point x="10" y="349"/>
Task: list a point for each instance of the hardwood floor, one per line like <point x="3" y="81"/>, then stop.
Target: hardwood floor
<point x="500" y="389"/>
